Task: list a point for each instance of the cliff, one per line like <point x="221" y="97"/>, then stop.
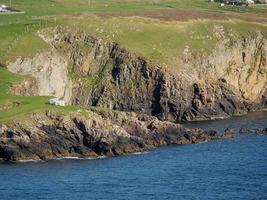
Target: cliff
<point x="229" y="80"/>
<point x="84" y="70"/>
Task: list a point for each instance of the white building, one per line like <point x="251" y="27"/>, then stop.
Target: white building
<point x="4" y="8"/>
<point x="57" y="102"/>
<point x="250" y="2"/>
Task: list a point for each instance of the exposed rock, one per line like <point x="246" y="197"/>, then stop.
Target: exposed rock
<point x="28" y="87"/>
<point x="204" y="88"/>
<point x="262" y="131"/>
<point x="229" y="131"/>
<point x="3" y="128"/>
<point x="231" y="80"/>
<point x="241" y="61"/>
<point x="245" y="130"/>
<point x="97" y="133"/>
<point x="49" y="70"/>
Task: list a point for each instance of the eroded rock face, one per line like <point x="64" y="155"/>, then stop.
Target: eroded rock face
<point x="231" y="80"/>
<point x="98" y="133"/>
<point x="105" y="75"/>
<point x="28" y="87"/>
<point x="240" y="61"/>
<point x="49" y="70"/>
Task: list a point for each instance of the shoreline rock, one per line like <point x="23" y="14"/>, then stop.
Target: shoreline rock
<point x="245" y="130"/>
<point x="50" y="135"/>
<point x="262" y="131"/>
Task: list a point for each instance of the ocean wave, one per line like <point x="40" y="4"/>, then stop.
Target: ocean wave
<point x="140" y="153"/>
<point x="76" y="158"/>
<point x="30" y="160"/>
<point x="81" y="158"/>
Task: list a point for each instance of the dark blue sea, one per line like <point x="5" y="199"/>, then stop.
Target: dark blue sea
<point x="225" y="169"/>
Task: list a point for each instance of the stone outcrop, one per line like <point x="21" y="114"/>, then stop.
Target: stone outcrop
<point x="231" y="80"/>
<point x="28" y="87"/>
<point x="262" y="131"/>
<point x="238" y="61"/>
<point x="49" y="71"/>
<point x="91" y="133"/>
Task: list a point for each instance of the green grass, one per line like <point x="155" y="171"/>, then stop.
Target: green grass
<point x="34" y="9"/>
<point x="26" y="46"/>
<point x="18" y="32"/>
<point x="7" y="78"/>
<point x="159" y="41"/>
<point x="21" y="40"/>
<point x="25" y="105"/>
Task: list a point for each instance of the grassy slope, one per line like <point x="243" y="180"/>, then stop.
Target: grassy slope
<point x="17" y="31"/>
<point x="159" y="41"/>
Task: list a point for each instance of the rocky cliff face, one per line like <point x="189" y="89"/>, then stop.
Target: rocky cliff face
<point x="49" y="76"/>
<point x="230" y="80"/>
<point x="95" y="133"/>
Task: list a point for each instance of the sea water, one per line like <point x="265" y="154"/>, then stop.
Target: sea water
<point x="223" y="169"/>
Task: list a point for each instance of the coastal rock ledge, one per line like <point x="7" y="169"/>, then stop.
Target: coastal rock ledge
<point x="91" y="133"/>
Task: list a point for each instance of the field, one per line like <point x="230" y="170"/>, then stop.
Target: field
<point x="15" y="105"/>
<point x="159" y="30"/>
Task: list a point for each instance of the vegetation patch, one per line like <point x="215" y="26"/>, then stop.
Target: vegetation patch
<point x="8" y="105"/>
<point x="146" y="32"/>
<point x="157" y="40"/>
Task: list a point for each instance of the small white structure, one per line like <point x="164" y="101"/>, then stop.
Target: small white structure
<point x="250" y="2"/>
<point x="4" y="8"/>
<point x="57" y="102"/>
<point x="52" y="101"/>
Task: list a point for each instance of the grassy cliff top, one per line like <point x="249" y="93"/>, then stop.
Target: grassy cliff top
<point x="156" y="29"/>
